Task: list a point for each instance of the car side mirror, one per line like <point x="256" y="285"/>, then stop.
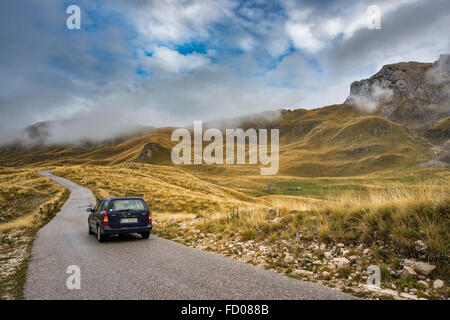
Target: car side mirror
<point x="89" y="210"/>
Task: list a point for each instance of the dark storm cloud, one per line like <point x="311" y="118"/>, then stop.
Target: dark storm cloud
<point x="417" y="25"/>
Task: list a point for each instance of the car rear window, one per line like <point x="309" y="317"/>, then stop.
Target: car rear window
<point x="128" y="204"/>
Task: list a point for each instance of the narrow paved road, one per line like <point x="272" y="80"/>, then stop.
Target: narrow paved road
<point x="132" y="268"/>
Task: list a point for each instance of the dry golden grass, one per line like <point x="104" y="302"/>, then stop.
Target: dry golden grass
<point x="23" y="194"/>
<point x="396" y="214"/>
<point x="390" y="195"/>
<point x="20" y="223"/>
<point x="165" y="217"/>
<point x="34" y="218"/>
<point x="165" y="188"/>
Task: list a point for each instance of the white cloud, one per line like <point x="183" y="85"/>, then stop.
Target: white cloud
<point x="175" y="21"/>
<point x="332" y="27"/>
<point x="370" y="97"/>
<point x="172" y="61"/>
<point x="246" y="43"/>
<point x="302" y="37"/>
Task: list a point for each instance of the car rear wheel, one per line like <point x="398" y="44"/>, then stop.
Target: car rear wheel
<point x="100" y="238"/>
<point x="145" y="235"/>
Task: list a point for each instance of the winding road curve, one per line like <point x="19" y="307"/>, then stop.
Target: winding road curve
<point x="132" y="268"/>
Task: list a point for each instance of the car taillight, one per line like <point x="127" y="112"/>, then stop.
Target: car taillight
<point x="149" y="216"/>
<point x="105" y="219"/>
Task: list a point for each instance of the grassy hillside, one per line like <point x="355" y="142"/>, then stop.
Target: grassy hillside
<point x="351" y="146"/>
<point x="330" y="141"/>
<point x="165" y="188"/>
<point x="108" y="153"/>
<point x="440" y="131"/>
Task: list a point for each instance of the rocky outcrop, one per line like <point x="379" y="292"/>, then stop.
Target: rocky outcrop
<point x="410" y="93"/>
<point x="154" y="153"/>
<point x="149" y="150"/>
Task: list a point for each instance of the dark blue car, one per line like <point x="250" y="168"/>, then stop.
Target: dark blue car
<point x="120" y="215"/>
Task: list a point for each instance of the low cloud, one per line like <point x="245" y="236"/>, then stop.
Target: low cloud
<point x="439" y="73"/>
<point x="369" y="96"/>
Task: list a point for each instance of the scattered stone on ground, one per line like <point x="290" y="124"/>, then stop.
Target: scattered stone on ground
<point x="419" y="266"/>
<point x="339" y="266"/>
<point x="437" y="284"/>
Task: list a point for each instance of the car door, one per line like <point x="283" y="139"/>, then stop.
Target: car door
<point x="92" y="217"/>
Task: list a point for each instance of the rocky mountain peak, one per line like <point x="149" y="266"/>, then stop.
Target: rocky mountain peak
<point x="412" y="93"/>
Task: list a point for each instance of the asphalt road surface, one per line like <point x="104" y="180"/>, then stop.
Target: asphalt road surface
<point x="132" y="268"/>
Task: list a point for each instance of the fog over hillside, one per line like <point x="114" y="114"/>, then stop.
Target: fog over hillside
<point x="413" y="94"/>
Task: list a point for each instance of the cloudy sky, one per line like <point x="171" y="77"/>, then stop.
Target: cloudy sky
<point x="163" y="62"/>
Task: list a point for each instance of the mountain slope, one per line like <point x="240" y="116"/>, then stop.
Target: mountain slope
<point x="386" y="123"/>
<point x="414" y="94"/>
<point x="331" y="141"/>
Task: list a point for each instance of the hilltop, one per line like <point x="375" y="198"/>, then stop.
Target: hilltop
<point x="413" y="94"/>
<point x="334" y="140"/>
